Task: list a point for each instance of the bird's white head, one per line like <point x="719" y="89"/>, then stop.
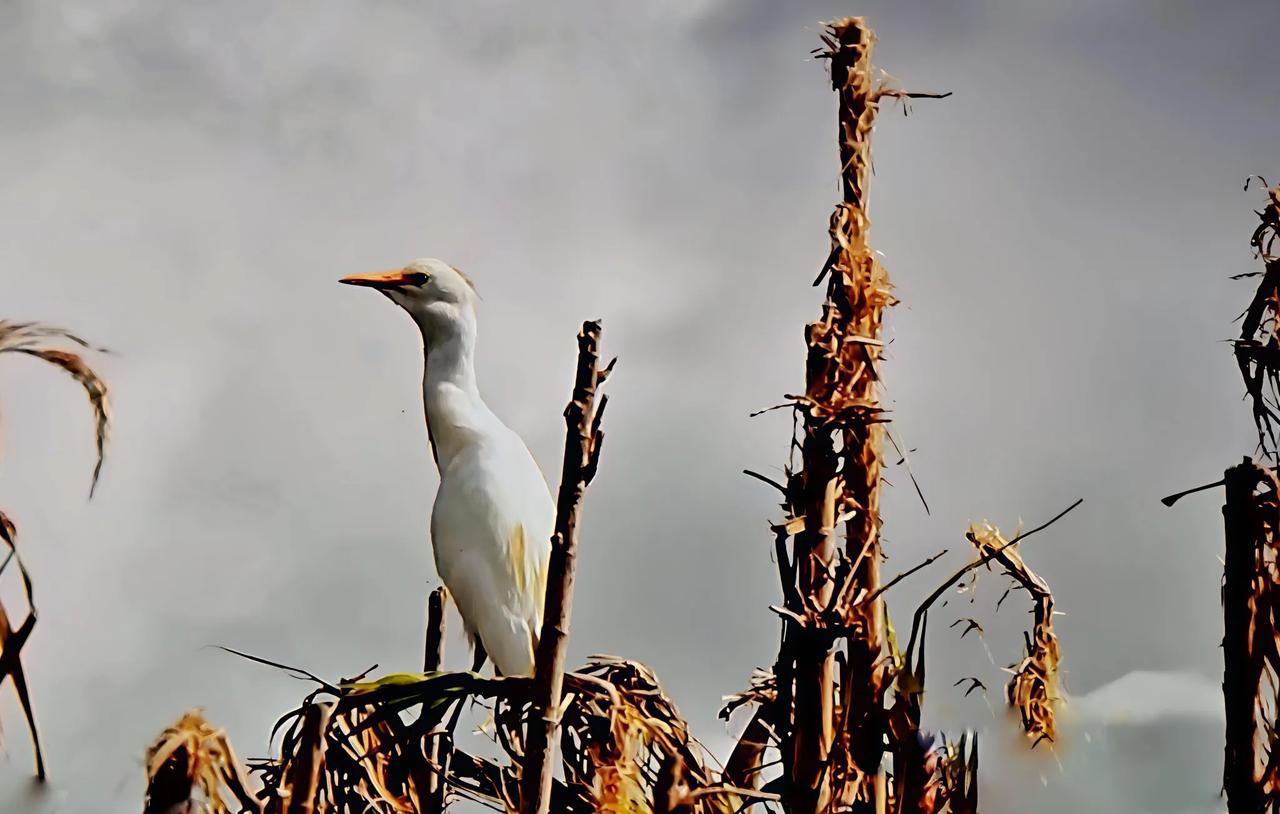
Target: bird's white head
<point x="440" y="298"/>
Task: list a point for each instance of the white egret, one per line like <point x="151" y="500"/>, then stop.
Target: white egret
<point x="493" y="515"/>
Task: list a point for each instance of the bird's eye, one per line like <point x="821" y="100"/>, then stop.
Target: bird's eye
<point x="418" y="278"/>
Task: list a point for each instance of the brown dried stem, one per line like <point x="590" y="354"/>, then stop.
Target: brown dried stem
<point x="12" y="640"/>
<point x="1251" y="573"/>
<point x="1248" y="633"/>
<point x="842" y="482"/>
<point x="39" y="341"/>
<point x="581" y="457"/>
<point x="826" y="711"/>
<point x="433" y="651"/>
<point x="1251" y="638"/>
<point x="438" y="746"/>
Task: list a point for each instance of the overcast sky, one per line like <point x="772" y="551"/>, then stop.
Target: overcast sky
<point x="185" y="182"/>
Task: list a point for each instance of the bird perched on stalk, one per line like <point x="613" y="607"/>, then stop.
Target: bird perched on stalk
<point x="493" y="515"/>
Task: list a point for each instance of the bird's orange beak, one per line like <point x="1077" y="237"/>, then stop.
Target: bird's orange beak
<point x="380" y="280"/>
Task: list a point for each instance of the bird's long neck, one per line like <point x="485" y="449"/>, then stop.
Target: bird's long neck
<point x="456" y="415"/>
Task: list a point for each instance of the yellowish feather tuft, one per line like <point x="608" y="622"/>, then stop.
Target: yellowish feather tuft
<point x="517" y="556"/>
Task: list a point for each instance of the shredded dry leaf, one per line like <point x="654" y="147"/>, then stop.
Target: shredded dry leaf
<point x="1257" y="348"/>
<point x="40" y="341"/>
<point x="1033" y="690"/>
<point x="192" y="764"/>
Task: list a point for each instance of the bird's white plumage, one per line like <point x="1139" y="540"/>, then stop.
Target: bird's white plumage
<point x="493" y="515"/>
<point x="491" y="530"/>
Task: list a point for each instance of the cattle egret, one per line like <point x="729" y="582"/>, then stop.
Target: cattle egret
<point x="493" y="516"/>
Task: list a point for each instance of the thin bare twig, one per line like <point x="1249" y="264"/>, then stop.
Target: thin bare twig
<point x="581" y="457"/>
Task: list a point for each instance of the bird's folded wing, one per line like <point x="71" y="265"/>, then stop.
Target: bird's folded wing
<point x="529" y="573"/>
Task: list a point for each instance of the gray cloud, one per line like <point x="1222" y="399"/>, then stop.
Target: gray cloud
<point x="185" y="183"/>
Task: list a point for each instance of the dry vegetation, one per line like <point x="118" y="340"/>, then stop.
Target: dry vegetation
<point x="1033" y="690"/>
<point x="835" y="726"/>
<point x="41" y="342"/>
<point x="1250" y="603"/>
<point x="1257" y="349"/>
<point x="840" y="698"/>
<point x="387" y="745"/>
<point x="1251" y="573"/>
<point x="1251" y="560"/>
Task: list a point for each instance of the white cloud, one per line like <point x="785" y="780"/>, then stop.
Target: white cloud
<point x="1145" y="697"/>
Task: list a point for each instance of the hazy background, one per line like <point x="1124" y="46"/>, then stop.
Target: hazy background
<point x="185" y="182"/>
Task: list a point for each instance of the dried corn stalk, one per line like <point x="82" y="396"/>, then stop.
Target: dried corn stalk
<point x="1257" y="349"/>
<point x="1251" y="515"/>
<point x="827" y="712"/>
<point x="581" y="458"/>
<point x="41" y="342"/>
<point x="1251" y="640"/>
<point x="1033" y="690"/>
<point x="439" y="745"/>
<point x="1250" y="597"/>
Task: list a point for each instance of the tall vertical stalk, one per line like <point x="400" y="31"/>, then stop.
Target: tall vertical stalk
<point x="581" y="456"/>
<point x="831" y="674"/>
